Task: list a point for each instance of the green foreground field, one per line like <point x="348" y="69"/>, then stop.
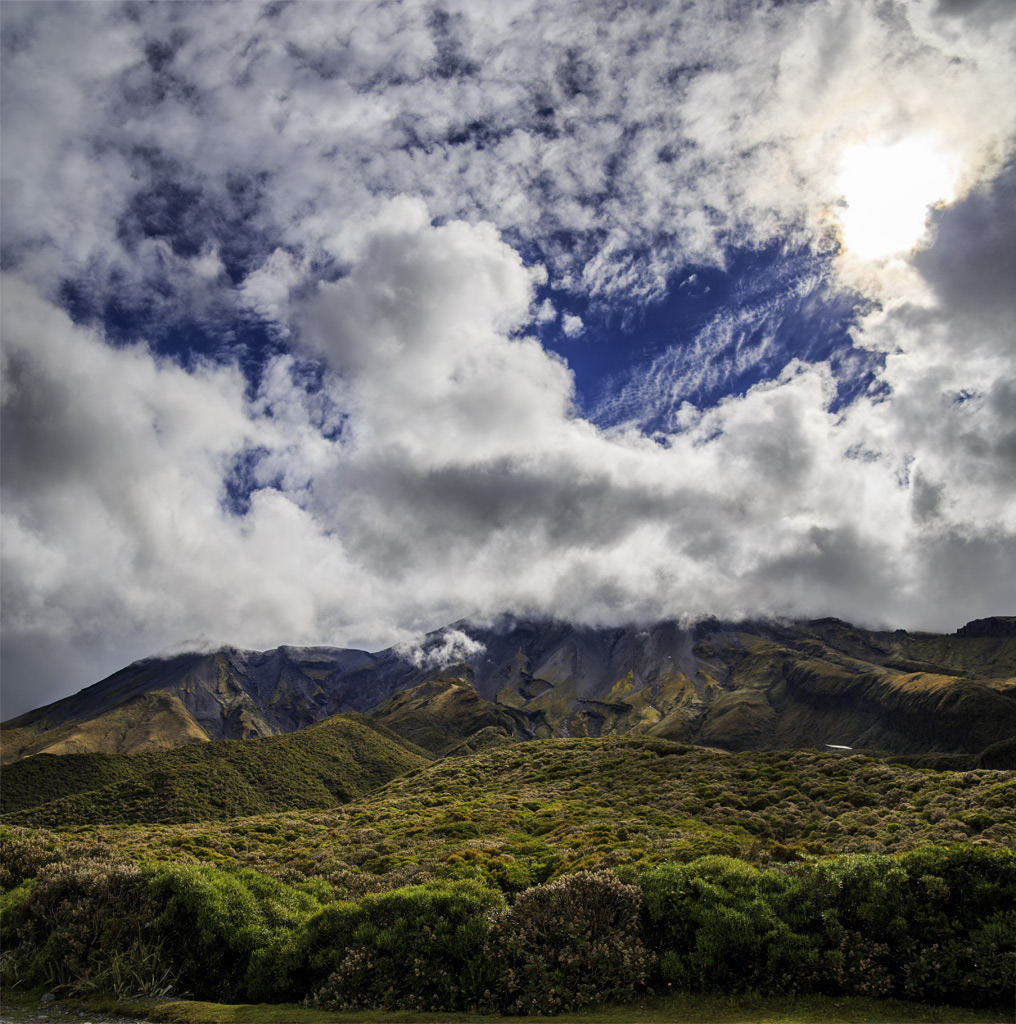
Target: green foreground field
<point x="681" y="1008"/>
<point x="527" y="813"/>
<point x="540" y="877"/>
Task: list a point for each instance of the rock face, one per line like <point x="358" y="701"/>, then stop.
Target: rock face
<point x="736" y="686"/>
<point x="997" y="625"/>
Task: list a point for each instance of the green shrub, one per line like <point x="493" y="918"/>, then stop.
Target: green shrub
<point x="422" y="947"/>
<point x="85" y="926"/>
<point x="961" y="926"/>
<point x="937" y="924"/>
<point x="569" y="943"/>
<point x="214" y="921"/>
<point x="721" y="924"/>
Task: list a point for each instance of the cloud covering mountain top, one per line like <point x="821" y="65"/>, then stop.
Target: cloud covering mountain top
<point x="331" y="323"/>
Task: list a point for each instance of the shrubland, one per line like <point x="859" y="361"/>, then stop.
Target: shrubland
<point x="541" y="877"/>
<point x="326" y="764"/>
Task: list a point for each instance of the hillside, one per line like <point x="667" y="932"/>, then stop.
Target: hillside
<point x="520" y="814"/>
<point x="750" y="853"/>
<point x="745" y="686"/>
<point x="329" y="763"/>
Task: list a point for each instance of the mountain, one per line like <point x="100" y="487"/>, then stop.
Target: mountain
<point x="734" y="686"/>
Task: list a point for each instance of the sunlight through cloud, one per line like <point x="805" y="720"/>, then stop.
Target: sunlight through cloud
<point x="888" y="190"/>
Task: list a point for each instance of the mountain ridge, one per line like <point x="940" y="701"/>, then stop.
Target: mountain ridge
<point x="749" y="685"/>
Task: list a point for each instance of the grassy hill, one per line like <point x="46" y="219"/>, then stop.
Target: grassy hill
<point x="526" y="812"/>
<point x="443" y="713"/>
<point x="782" y="871"/>
<point x="326" y="764"/>
<point x="149" y="721"/>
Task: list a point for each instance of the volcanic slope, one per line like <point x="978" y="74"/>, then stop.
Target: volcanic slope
<point x="326" y="764"/>
<point x="745" y="686"/>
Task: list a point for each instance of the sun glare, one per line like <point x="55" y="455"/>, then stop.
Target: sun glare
<point x="888" y="190"/>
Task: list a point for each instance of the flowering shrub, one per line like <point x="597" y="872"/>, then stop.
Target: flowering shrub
<point x="569" y="943"/>
<point x="22" y="856"/>
<point x="68" y="927"/>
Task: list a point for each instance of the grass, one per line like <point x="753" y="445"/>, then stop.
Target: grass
<point x="681" y="1008"/>
<point x="518" y="815"/>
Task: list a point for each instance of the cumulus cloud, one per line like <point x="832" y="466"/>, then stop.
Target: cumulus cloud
<point x="462" y="479"/>
<point x="387" y="191"/>
<point x="623" y="142"/>
<point x="450" y="647"/>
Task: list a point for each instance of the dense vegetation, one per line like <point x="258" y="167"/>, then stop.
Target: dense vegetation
<point x="536" y="877"/>
<point x="523" y="814"/>
<point x="325" y="764"/>
<point x="936" y="925"/>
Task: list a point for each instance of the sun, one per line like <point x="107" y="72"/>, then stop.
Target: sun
<point x="888" y="190"/>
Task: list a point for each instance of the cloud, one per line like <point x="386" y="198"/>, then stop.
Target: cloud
<point x="622" y="143"/>
<point x="387" y="191"/>
<point x="450" y="647"/>
<point x="461" y="480"/>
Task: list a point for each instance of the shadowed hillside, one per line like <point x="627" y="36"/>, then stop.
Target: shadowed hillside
<point x="329" y="763"/>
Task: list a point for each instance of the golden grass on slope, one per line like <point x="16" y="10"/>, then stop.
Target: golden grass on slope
<point x="154" y="721"/>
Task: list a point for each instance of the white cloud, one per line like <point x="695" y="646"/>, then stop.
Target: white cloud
<point x="371" y="175"/>
<point x="650" y="139"/>
<point x="266" y="291"/>
<point x="450" y="647"/>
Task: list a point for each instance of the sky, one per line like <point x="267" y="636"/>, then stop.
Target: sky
<point x="333" y="323"/>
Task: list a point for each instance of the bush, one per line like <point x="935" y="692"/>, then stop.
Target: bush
<point x="936" y="924"/>
<point x="961" y="926"/>
<point x="569" y="943"/>
<point x="22" y="855"/>
<point x="215" y="922"/>
<point x="721" y="924"/>
<point x="422" y="947"/>
<point x="84" y="927"/>
<point x="866" y="906"/>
